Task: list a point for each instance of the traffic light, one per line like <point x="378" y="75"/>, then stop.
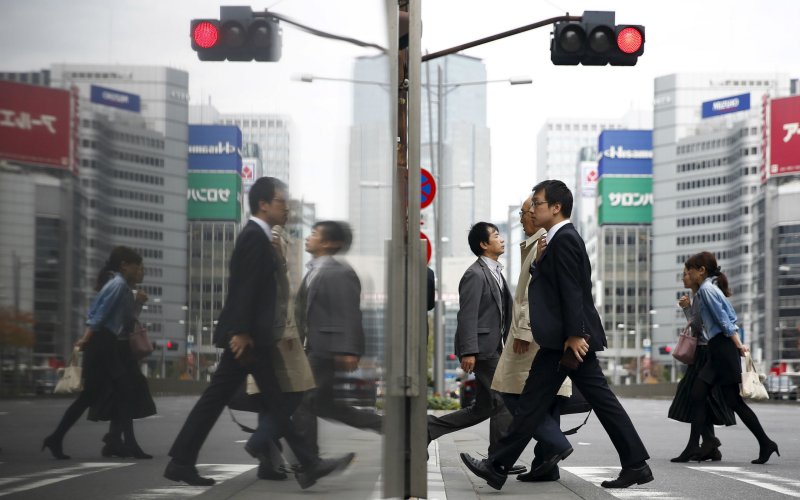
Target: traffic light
<point x="596" y="41"/>
<point x="171" y="345"/>
<point x="451" y="357"/>
<point x="665" y="349"/>
<point x="238" y="35"/>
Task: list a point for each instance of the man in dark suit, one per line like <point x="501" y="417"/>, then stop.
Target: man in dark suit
<point x="245" y="331"/>
<point x="568" y="329"/>
<point x="328" y="310"/>
<point x="484" y="317"/>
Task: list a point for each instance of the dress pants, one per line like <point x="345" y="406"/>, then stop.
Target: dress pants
<point x="227" y="379"/>
<point x="549" y="438"/>
<point x="538" y="395"/>
<point x="488" y="404"/>
<point x="320" y="402"/>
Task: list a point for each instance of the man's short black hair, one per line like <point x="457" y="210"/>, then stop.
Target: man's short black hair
<point x="556" y="191"/>
<point x="264" y="190"/>
<point x="336" y="232"/>
<point x="479" y="233"/>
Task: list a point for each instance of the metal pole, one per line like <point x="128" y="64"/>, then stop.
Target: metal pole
<point x="638" y="348"/>
<point x="616" y="356"/>
<point x="439" y="332"/>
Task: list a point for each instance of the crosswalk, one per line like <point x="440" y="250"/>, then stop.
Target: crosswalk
<point x="771" y="484"/>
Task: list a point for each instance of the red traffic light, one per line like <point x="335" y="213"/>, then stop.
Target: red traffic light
<point x="629" y="40"/>
<point x="451" y="357"/>
<point x="169" y="344"/>
<point x="668" y="349"/>
<point x="205" y="34"/>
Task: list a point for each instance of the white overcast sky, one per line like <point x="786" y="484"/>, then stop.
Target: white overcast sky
<point x="681" y="35"/>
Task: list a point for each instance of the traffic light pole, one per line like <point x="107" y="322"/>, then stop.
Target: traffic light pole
<point x="499" y="36"/>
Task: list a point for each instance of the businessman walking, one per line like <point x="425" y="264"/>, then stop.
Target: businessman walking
<point x="568" y="329"/>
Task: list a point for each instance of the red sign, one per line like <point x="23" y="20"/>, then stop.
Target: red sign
<point x="784" y="140"/>
<point x="35" y="124"/>
<point x="427" y="245"/>
<point x="428" y="188"/>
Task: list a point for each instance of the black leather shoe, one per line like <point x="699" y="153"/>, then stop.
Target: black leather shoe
<point x="630" y="476"/>
<point x="307" y="477"/>
<point x="484" y="470"/>
<point x="549" y="462"/>
<point x="517" y="469"/>
<point x="765" y="452"/>
<point x="266" y="471"/>
<point x="687" y="455"/>
<point x="137" y="452"/>
<point x="186" y="473"/>
<point x="553" y="475"/>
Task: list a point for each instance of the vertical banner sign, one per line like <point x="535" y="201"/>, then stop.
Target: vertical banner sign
<point x="763" y="171"/>
<point x="784" y="155"/>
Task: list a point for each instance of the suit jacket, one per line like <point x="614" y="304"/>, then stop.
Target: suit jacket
<point x="251" y="301"/>
<point x="513" y="369"/>
<point x="480" y="331"/>
<point x="331" y="318"/>
<point x="560" y="294"/>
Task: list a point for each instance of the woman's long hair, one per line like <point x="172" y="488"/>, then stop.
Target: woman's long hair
<point x="707" y="260"/>
<point x="114" y="263"/>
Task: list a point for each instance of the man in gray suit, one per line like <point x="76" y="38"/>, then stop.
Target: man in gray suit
<point x="329" y="316"/>
<point x="484" y="318"/>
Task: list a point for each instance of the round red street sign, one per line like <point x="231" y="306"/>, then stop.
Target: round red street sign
<point x="427" y="246"/>
<point x="428" y="188"/>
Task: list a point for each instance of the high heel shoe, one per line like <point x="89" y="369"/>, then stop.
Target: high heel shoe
<point x="55" y="448"/>
<point x="112" y="449"/>
<point x="765" y="452"/>
<point x="687" y="455"/>
<point x="137" y="452"/>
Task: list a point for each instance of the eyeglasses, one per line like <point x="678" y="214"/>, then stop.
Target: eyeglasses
<point x="523" y="212"/>
<point x="535" y="204"/>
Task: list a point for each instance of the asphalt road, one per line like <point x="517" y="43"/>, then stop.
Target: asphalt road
<point x="27" y="473"/>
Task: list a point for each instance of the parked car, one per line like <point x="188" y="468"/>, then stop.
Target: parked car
<point x="782" y="386"/>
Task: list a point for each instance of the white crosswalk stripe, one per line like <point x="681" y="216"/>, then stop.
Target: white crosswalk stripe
<point x="790" y="487"/>
<point x="597" y="475"/>
<point x="220" y="472"/>
<point x="46" y="477"/>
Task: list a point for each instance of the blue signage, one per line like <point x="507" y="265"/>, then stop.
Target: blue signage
<point x="115" y="98"/>
<point x="726" y="105"/>
<point x="625" y="152"/>
<point x="215" y="147"/>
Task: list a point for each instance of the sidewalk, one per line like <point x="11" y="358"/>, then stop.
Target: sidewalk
<point x="448" y="478"/>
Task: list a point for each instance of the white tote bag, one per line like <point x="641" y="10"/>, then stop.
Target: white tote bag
<point x="752" y="387"/>
<point x="70" y="380"/>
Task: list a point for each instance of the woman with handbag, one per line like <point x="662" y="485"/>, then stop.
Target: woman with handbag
<point x="681" y="408"/>
<point x="723" y="366"/>
<point x="110" y="317"/>
<point x="120" y="441"/>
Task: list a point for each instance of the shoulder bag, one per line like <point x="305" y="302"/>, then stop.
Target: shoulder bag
<point x="141" y="347"/>
<point x="686" y="347"/>
<point x="752" y="388"/>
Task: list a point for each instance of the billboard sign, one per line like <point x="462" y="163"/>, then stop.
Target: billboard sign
<point x="784" y="140"/>
<point x="625" y="200"/>
<point x="35" y="125"/>
<point x="625" y="152"/>
<point x="215" y="147"/>
<point x="214" y="196"/>
<point x="726" y="105"/>
<point x="115" y="98"/>
<point x="588" y="180"/>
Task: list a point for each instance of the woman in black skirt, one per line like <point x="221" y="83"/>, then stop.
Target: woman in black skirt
<point x="121" y="440"/>
<point x="110" y="317"/>
<point x="681" y="407"/>
<point x="723" y="368"/>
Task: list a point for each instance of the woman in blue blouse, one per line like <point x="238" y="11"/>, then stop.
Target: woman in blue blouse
<point x="723" y="367"/>
<point x="110" y="318"/>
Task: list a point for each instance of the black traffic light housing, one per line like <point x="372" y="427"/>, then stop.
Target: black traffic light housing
<point x="238" y="35"/>
<point x="596" y="41"/>
<point x="665" y="349"/>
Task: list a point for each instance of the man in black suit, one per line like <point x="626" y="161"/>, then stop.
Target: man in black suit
<point x="568" y="329"/>
<point x="484" y="317"/>
<point x="245" y="331"/>
<point x="328" y="312"/>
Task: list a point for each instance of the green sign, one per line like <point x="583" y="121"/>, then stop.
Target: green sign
<point x="214" y="196"/>
<point x="625" y="200"/>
